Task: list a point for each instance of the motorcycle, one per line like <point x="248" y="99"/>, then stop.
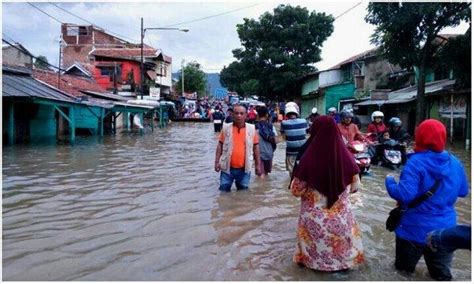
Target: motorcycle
<point x="361" y="155"/>
<point x="391" y="156"/>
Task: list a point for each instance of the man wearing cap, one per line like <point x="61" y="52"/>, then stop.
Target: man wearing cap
<point x="314" y="114"/>
<point x="294" y="129"/>
<point x="332" y="111"/>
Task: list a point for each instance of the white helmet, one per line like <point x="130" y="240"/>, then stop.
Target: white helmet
<point x="314" y="110"/>
<point x="332" y="109"/>
<point x="292" y="107"/>
<point x="376" y="114"/>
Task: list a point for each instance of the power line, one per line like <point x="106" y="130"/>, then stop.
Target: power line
<point x="39" y="59"/>
<point x="343" y="13"/>
<point x="212" y="16"/>
<point x="5" y="35"/>
<point x="70" y="13"/>
<point x="45" y="13"/>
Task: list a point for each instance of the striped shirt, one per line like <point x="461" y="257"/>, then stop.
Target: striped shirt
<point x="295" y="131"/>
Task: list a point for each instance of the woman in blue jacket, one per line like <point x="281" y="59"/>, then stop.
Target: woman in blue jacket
<point x="429" y="163"/>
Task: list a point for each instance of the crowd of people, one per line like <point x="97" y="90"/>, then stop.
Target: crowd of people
<point x="324" y="173"/>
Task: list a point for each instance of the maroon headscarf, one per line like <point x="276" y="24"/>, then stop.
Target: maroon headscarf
<point x="327" y="165"/>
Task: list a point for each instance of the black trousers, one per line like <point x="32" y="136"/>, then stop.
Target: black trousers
<point x="408" y="254"/>
<point x="217" y="127"/>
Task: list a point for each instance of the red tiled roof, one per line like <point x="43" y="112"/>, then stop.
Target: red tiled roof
<point x="69" y="84"/>
<point x="124" y="52"/>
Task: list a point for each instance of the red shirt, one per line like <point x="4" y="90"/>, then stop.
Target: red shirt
<point x="376" y="128"/>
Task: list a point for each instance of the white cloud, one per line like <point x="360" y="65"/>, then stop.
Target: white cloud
<point x="209" y="41"/>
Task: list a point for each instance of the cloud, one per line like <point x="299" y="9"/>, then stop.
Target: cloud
<point x="209" y="41"/>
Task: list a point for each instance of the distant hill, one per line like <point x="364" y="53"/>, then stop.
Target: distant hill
<point x="212" y="80"/>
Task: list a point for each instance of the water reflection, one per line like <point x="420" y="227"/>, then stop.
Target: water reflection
<point x="131" y="207"/>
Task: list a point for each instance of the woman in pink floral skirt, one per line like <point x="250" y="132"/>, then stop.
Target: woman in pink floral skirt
<point x="328" y="237"/>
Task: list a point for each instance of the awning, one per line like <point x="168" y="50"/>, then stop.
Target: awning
<point x="113" y="97"/>
<point x="409" y="94"/>
<point x="381" y="102"/>
<point x="151" y="74"/>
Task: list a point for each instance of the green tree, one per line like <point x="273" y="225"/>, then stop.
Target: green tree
<point x="41" y="62"/>
<point x="406" y="33"/>
<point x="233" y="76"/>
<point x="456" y="55"/>
<point x="278" y="49"/>
<point x="194" y="79"/>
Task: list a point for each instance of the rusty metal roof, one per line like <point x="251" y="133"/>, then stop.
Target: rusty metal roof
<point x="15" y="84"/>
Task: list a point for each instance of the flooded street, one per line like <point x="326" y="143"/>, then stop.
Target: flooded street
<point x="147" y="207"/>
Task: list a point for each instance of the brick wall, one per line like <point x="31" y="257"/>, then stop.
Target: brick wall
<point x="79" y="46"/>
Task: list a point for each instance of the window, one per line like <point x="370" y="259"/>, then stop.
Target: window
<point x="106" y="71"/>
<point x="72" y="31"/>
<point x="83" y="30"/>
<point x="110" y="70"/>
<point x="75" y="31"/>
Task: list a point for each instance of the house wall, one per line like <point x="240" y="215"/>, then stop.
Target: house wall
<point x="43" y="124"/>
<point x="164" y="80"/>
<point x="85" y="119"/>
<point x="78" y="47"/>
<point x="13" y="56"/>
<point x="312" y="84"/>
<point x="127" y="66"/>
<point x="376" y="71"/>
<point x="330" y="77"/>
<point x="336" y="93"/>
<point x="308" y="104"/>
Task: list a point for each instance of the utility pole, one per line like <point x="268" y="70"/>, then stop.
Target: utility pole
<point x="59" y="60"/>
<point x="142" y="72"/>
<point x="142" y="32"/>
<point x="182" y="77"/>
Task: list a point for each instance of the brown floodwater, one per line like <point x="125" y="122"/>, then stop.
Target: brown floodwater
<point x="147" y="207"/>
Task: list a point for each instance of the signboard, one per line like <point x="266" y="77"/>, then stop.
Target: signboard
<point x="155" y="92"/>
<point x="459" y="107"/>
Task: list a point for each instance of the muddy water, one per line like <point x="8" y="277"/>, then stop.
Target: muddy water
<point x="133" y="207"/>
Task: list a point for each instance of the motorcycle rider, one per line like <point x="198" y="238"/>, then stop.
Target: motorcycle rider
<point x="332" y="111"/>
<point x="400" y="135"/>
<point x="314" y="114"/>
<point x="377" y="126"/>
<point x="348" y="130"/>
<point x="355" y="119"/>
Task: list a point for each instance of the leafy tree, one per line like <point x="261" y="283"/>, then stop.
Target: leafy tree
<point x="41" y="62"/>
<point x="456" y="55"/>
<point x="406" y="33"/>
<point x="194" y="79"/>
<point x="250" y="87"/>
<point x="278" y="49"/>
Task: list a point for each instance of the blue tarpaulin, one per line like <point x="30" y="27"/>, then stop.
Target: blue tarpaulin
<point x="220" y="93"/>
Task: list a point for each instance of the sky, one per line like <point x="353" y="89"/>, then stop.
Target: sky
<point x="212" y="27"/>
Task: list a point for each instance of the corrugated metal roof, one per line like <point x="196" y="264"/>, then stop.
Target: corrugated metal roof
<point x="106" y="96"/>
<point x="409" y="94"/>
<point x="15" y="85"/>
<point x="16" y="69"/>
